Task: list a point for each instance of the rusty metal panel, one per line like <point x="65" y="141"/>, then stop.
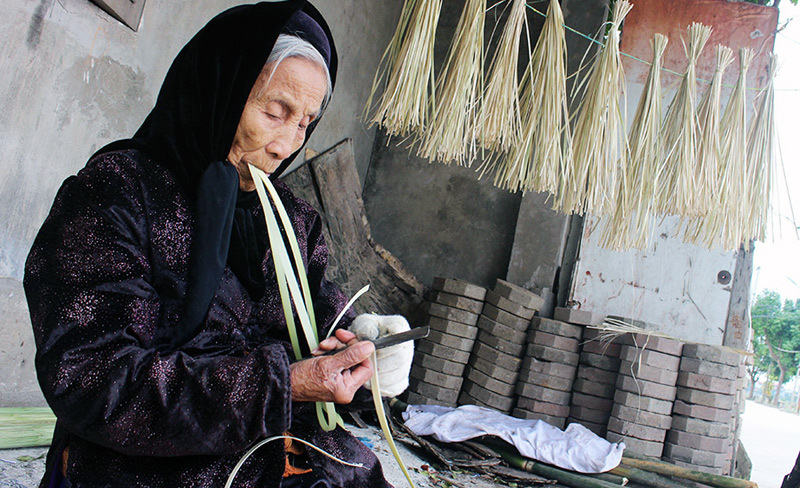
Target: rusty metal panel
<point x="129" y="12"/>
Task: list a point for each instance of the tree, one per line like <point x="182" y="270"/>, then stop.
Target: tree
<point x="776" y="327"/>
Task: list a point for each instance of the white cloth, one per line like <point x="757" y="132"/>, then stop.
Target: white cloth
<point x="577" y="448"/>
<point x="394" y="363"/>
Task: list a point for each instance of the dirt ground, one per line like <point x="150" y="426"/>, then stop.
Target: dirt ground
<point x="772" y="440"/>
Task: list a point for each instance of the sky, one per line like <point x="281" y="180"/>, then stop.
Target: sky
<point x="776" y="262"/>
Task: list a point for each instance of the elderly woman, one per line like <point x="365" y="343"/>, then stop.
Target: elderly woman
<point x="161" y="341"/>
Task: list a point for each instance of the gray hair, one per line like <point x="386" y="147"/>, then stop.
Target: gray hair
<point x="288" y="46"/>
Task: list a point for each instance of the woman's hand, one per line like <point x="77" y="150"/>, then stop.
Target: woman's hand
<point x="333" y="378"/>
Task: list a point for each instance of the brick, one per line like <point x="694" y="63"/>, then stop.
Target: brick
<point x="645" y="448"/>
<point x="650" y="358"/>
<point x="592" y="343"/>
<point x="489" y="383"/>
<point x="547" y="408"/>
<point x="701" y="412"/>
<point x="555" y="341"/>
<point x="488" y="397"/>
<point x="436" y="378"/>
<point x="458" y="343"/>
<point x="597" y="375"/>
<point x="717" y="370"/>
<point x="546" y="381"/>
<point x="599" y="429"/>
<point x="521" y="413"/>
<point x="444" y="352"/>
<point x="543" y="394"/>
<point x="649" y="373"/>
<point x="450" y="327"/>
<point x="524" y="297"/>
<point x="417" y="399"/>
<point x="451" y="313"/>
<point x="646" y="388"/>
<point x="511" y="307"/>
<point x="556" y="327"/>
<point x="459" y="287"/>
<point x="438" y="364"/>
<point x="706" y="383"/>
<point x="638" y="431"/>
<point x="608" y="363"/>
<point x="589" y="401"/>
<point x="493" y="370"/>
<point x="505" y="318"/>
<point x="578" y="317"/>
<point x="592" y="388"/>
<point x="643" y="417"/>
<point x="655" y="343"/>
<point x="714" y="354"/>
<point x="694" y="441"/>
<point x="589" y="415"/>
<point x="465" y="399"/>
<point x="457" y="301"/>
<point x="492" y="355"/>
<point x="566" y="371"/>
<point x="499" y="343"/>
<point x="433" y="392"/>
<point x="697" y="397"/>
<point x="553" y="355"/>
<point x="646" y="404"/>
<point x="701" y="427"/>
<point x="500" y="330"/>
<point x="694" y="456"/>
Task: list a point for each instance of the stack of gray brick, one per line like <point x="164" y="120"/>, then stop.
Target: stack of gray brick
<point x="646" y="391"/>
<point x="491" y="374"/>
<point x="595" y="383"/>
<point x="544" y="387"/>
<point x="439" y="359"/>
<point x="702" y="433"/>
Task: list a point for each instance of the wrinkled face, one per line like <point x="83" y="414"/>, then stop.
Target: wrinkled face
<point x="276" y="115"/>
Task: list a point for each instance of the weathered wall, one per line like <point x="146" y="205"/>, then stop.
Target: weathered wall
<point x="679" y="288"/>
<point x="76" y="79"/>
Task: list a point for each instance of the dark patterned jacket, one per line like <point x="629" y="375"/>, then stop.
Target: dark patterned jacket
<point x="105" y="281"/>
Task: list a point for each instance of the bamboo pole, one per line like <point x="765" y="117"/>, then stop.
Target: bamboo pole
<point x="715" y="480"/>
<point x="645" y="478"/>
<point x="26" y="427"/>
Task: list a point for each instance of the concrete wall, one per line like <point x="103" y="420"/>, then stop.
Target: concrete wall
<point x="75" y="79"/>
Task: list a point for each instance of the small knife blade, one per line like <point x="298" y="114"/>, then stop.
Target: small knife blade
<point x="394" y="339"/>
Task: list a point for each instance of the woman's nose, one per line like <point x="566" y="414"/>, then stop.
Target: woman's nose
<point x="283" y="145"/>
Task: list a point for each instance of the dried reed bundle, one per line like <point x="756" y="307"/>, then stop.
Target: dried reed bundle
<point x="680" y="133"/>
<point x="723" y="225"/>
<point x="407" y="66"/>
<point x="600" y="143"/>
<point x="631" y="224"/>
<point x="709" y="150"/>
<point x="450" y="135"/>
<point x="760" y="160"/>
<point x="538" y="158"/>
<point x="499" y="121"/>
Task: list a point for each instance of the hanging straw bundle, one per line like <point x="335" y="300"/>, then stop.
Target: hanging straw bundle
<point x="499" y="120"/>
<point x="709" y="150"/>
<point x="537" y="159"/>
<point x="680" y="132"/>
<point x="407" y="65"/>
<point x="632" y="222"/>
<point x="760" y="159"/>
<point x="724" y="226"/>
<point x="450" y="135"/>
<point x="600" y="143"/>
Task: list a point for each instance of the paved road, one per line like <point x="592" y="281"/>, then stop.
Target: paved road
<point x="772" y="439"/>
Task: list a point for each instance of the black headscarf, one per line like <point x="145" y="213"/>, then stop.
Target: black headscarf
<point x="190" y="131"/>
